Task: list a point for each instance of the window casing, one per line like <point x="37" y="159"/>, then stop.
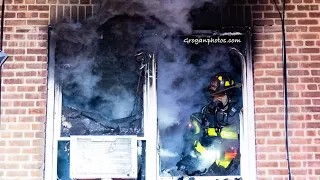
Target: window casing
<point x="151" y="132"/>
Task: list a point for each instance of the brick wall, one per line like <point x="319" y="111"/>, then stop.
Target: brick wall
<point x="24" y="85"/>
<point x="303" y="55"/>
<point x="24" y="90"/>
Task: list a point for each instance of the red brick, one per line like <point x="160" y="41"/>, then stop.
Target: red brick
<point x="275" y="117"/>
<point x="11" y="89"/>
<point x="44" y="15"/>
<point x="314" y="29"/>
<point x="15" y="111"/>
<point x="298" y="72"/>
<point x="267" y="164"/>
<point x="37" y="22"/>
<point x="20" y="173"/>
<point x="309" y="43"/>
<point x="300" y="141"/>
<point x="36" y="111"/>
<point x="23" y="103"/>
<point x="310" y="109"/>
<point x="307" y="22"/>
<point x="308" y="36"/>
<point x="297" y="15"/>
<point x="259" y="102"/>
<point x="266" y="110"/>
<point x="40" y="119"/>
<point x="8" y="119"/>
<point x="19" y="143"/>
<point x="314" y="14"/>
<point x="271" y="15"/>
<point x="272" y="29"/>
<point x="288" y="36"/>
<point x="26" y="73"/>
<point x="36" y="81"/>
<point x="35" y="95"/>
<point x="298" y="43"/>
<point x="36" y="51"/>
<point x="258" y="73"/>
<point x="300" y="87"/>
<point x="286" y="22"/>
<point x="274" y="87"/>
<point x="311" y="148"/>
<point x="315" y="57"/>
<point x="24" y="58"/>
<point x="27" y="15"/>
<point x="273" y="73"/>
<point x="290" y="94"/>
<point x="288" y="7"/>
<point x="273" y="58"/>
<point x="10" y="15"/>
<point x="290" y="109"/>
<point x="26" y="119"/>
<point x="42" y="88"/>
<point x="26" y="89"/>
<point x="265" y="125"/>
<point x="264" y="65"/>
<point x="310" y="79"/>
<point x="288" y="50"/>
<point x="310" y="65"/>
<point x="265" y="80"/>
<point x="264" y="51"/>
<point x="36" y="66"/>
<point x="313" y="125"/>
<point x="300" y="101"/>
<point x="277" y="156"/>
<point x="296" y="28"/>
<point x="312" y="87"/>
<point x="13" y="66"/>
<point x="12" y="96"/>
<point x="263" y="22"/>
<point x="259" y="88"/>
<point x="38" y="8"/>
<point x="309" y="50"/>
<point x="274" y="102"/>
<point x="37" y="37"/>
<point x="272" y="43"/>
<point x="13" y="81"/>
<point x="15" y="22"/>
<point x="263" y="36"/>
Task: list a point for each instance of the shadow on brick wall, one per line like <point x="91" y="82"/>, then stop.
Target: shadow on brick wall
<point x="221" y="13"/>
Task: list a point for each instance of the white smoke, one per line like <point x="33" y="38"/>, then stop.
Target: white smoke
<point x="180" y="82"/>
<point x="173" y="13"/>
<point x="167" y="153"/>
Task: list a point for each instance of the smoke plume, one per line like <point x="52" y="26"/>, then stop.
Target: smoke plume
<point x="96" y="65"/>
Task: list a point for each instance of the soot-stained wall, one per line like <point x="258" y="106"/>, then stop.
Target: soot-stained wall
<point x="25" y="72"/>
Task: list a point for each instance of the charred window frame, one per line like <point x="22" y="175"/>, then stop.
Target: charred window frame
<point x="247" y="127"/>
<point x="54" y="138"/>
<point x="54" y="105"/>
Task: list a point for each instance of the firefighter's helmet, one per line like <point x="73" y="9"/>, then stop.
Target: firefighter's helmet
<point x="222" y="83"/>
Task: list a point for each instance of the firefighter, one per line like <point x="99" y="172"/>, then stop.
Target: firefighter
<point x="218" y="123"/>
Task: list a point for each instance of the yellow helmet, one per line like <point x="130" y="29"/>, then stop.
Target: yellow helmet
<point x="221" y="83"/>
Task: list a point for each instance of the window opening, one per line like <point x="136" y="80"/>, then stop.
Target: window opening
<point x="199" y="136"/>
<point x="161" y="89"/>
